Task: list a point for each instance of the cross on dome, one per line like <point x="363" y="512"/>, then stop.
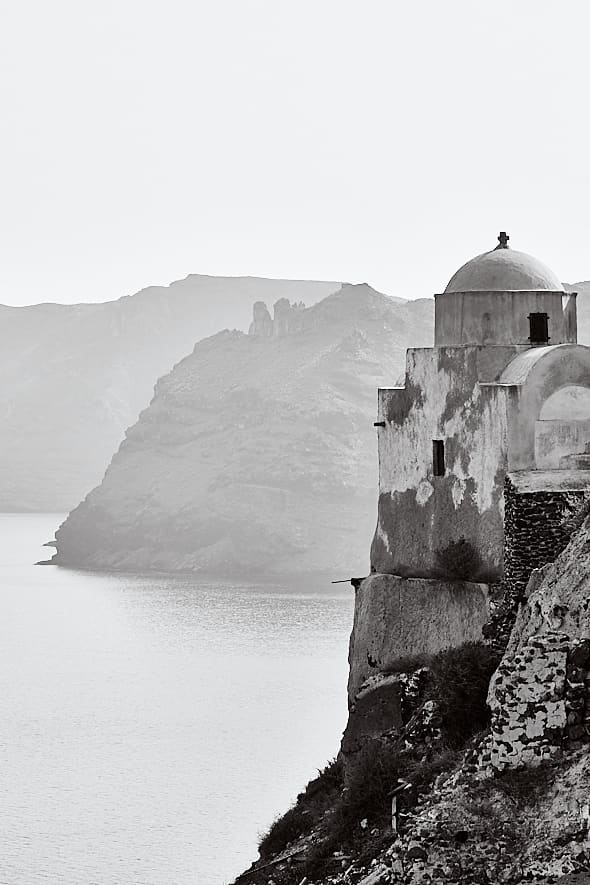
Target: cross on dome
<point x="503" y="240"/>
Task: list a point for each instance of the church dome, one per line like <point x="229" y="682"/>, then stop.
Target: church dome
<point x="504" y="270"/>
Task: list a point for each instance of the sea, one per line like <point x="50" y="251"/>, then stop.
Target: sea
<point x="152" y="727"/>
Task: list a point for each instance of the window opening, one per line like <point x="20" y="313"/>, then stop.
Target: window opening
<point x="438" y="457"/>
<point x="539" y="328"/>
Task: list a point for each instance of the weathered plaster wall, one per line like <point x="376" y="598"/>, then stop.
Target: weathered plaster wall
<point x="499" y="317"/>
<point x="535" y="375"/>
<point x="396" y="617"/>
<point x="571" y="403"/>
<point x="488" y="427"/>
<point x="556" y="439"/>
<point x="570" y="316"/>
<point x="420" y="516"/>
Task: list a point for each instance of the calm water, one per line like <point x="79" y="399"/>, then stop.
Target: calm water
<point x="150" y="728"/>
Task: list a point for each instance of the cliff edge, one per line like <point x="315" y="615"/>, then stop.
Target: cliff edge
<point x="256" y="456"/>
<point x="460" y="767"/>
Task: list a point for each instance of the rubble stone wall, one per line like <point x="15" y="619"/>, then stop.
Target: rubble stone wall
<point x="540" y="702"/>
<point x="536" y="530"/>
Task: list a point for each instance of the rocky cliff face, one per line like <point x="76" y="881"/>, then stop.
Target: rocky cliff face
<point x="512" y="805"/>
<point x="257" y="453"/>
<point x="74" y="377"/>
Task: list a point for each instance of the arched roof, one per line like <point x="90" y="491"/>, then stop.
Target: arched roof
<point x="538" y="373"/>
<point x="518" y="369"/>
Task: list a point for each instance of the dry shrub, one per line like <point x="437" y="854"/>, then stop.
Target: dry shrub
<point x="408" y="664"/>
<point x="458" y="681"/>
<point x="319" y="795"/>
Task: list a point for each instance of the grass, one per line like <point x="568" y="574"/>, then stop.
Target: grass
<point x="458" y="681"/>
<point x="319" y="795"/>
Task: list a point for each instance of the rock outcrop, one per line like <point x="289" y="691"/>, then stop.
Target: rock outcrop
<point x="257" y="453"/>
<point x="514" y="807"/>
<point x="74" y="377"/>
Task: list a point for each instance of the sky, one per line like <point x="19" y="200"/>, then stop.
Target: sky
<point x="378" y="141"/>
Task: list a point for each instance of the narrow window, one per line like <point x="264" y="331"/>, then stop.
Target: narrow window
<point x="539" y="328"/>
<point x="438" y="457"/>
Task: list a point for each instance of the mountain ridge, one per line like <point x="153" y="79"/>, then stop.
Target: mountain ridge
<point x="76" y="376"/>
<point x="259" y="448"/>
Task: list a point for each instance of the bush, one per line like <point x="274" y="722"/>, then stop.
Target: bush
<point x="320" y="793"/>
<point x="368" y="795"/>
<point x="458" y="681"/>
<point x="283" y="830"/>
<point x="408" y="664"/>
<point x="423" y="773"/>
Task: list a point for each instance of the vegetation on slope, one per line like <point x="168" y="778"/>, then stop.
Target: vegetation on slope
<point x="352" y="818"/>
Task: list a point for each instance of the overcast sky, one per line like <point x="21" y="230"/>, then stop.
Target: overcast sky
<point x="377" y="141"/>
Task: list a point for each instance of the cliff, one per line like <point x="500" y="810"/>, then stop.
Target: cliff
<point x="461" y="768"/>
<point x="74" y="377"/>
<point x="256" y="455"/>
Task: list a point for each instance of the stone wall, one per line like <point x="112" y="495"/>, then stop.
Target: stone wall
<point x="540" y="702"/>
<point x="537" y="527"/>
<point x="540" y="695"/>
<point x="400" y="617"/>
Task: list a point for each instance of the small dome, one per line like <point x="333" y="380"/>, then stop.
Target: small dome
<point x="504" y="270"/>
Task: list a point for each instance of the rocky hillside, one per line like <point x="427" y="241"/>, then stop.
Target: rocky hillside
<point x="257" y="454"/>
<point x="460" y="767"/>
<point x="74" y="377"/>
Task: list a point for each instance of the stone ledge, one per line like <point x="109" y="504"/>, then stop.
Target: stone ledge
<point x="399" y="617"/>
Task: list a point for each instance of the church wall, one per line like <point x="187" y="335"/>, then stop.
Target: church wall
<point x="555" y="439"/>
<point x="570" y="316"/>
<point x="551" y="368"/>
<point x="500" y="317"/>
<point x="447" y="526"/>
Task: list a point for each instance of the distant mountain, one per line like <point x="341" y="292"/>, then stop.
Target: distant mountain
<point x="257" y="454"/>
<point x="74" y="377"/>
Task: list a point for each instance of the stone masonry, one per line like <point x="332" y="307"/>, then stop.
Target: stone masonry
<point x="540" y="702"/>
<point x="537" y="528"/>
<point x="527" y="699"/>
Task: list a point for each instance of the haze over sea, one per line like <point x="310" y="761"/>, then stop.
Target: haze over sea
<point x="152" y="726"/>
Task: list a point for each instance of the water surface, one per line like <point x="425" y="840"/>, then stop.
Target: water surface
<point x="152" y="727"/>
